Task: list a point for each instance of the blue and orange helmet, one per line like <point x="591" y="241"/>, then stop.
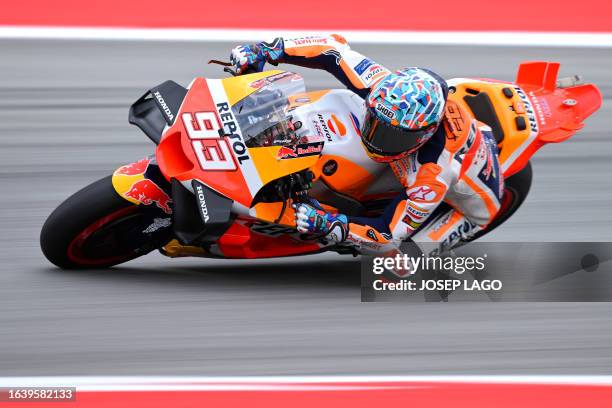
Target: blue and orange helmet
<point x="404" y="110"/>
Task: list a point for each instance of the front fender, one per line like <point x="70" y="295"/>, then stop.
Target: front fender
<point x="142" y="183"/>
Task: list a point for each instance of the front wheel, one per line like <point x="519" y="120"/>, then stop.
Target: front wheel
<point x="96" y="228"/>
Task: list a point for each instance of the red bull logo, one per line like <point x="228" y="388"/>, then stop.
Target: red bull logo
<point x="147" y="192"/>
<point x="286" y="152"/>
<point x="301" y="150"/>
<point x="135" y="168"/>
<point x="309" y="149"/>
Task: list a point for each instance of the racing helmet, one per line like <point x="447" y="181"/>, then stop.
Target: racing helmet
<point x="403" y="111"/>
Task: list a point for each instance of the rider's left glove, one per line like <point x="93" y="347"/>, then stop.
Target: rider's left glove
<point x="255" y="56"/>
<point x="318" y="221"/>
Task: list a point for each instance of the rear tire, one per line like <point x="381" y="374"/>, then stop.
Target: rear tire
<point x="96" y="228"/>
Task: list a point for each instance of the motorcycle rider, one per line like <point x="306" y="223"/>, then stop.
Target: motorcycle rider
<point x="404" y="110"/>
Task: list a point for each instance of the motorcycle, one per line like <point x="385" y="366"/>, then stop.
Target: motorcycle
<point x="233" y="154"/>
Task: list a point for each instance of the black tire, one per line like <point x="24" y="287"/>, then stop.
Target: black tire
<point x="96" y="228"/>
<point x="517" y="187"/>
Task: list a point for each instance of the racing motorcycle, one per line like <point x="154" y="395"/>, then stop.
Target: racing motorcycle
<point x="233" y="154"/>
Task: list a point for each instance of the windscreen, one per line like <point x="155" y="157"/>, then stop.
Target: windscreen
<point x="263" y="116"/>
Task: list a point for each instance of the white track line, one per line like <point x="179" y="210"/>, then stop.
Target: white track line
<point x="549" y="39"/>
<point x="290" y="383"/>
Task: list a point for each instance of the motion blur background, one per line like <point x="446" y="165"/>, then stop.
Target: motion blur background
<point x="63" y="124"/>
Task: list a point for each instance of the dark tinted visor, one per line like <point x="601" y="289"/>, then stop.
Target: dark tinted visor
<point x="385" y="139"/>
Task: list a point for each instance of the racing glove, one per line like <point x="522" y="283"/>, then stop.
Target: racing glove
<point x="315" y="220"/>
<point x="255" y="56"/>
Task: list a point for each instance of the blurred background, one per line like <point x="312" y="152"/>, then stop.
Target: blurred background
<point x="63" y="124"/>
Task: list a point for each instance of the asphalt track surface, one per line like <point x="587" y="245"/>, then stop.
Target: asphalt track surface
<point x="63" y="124"/>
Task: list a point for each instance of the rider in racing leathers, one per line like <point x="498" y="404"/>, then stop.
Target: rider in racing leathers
<point x="456" y="163"/>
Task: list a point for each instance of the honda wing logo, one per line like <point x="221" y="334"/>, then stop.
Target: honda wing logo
<point x="163" y="105"/>
<point x="202" y="201"/>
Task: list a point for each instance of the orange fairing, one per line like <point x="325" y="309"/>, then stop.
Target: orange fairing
<point x="205" y="142"/>
<point x="249" y="239"/>
<point x="545" y="113"/>
<point x="565" y="109"/>
<point x="270" y="167"/>
<point x="350" y="178"/>
<point x="538" y="74"/>
<point x="252" y="239"/>
<point x="504" y="110"/>
<point x="266" y="163"/>
<point x="271" y="211"/>
<point x="306" y="97"/>
<point x="193" y="142"/>
<point x="559" y="112"/>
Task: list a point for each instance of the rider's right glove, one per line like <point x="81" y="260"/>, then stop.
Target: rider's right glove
<point x="317" y="221"/>
<point x="255" y="56"/>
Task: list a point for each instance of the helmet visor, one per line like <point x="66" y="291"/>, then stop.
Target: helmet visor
<point x="384" y="139"/>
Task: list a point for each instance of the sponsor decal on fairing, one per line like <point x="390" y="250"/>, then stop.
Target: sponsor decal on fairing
<point x="199" y="192"/>
<point x="541" y="107"/>
<point x="132" y="169"/>
<point x="533" y="126"/>
<point x="320" y="124"/>
<point x="270" y="79"/>
<point x="336" y="126"/>
<point x="147" y="192"/>
<point x="234" y="134"/>
<point x="158" y="223"/>
<point x="163" y="105"/>
<point x="330" y="167"/>
<point x="533" y="123"/>
<point x="300" y="150"/>
<point x="212" y="151"/>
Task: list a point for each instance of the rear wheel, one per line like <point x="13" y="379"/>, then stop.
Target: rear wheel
<point x="96" y="228"/>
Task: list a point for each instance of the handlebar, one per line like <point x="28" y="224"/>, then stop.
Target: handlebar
<point x="227" y="65"/>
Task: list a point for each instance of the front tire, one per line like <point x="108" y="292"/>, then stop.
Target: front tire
<point x="96" y="228"/>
